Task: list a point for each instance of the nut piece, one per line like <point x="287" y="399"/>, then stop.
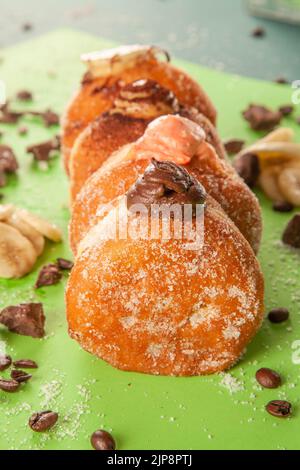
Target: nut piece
<point x="17" y="254"/>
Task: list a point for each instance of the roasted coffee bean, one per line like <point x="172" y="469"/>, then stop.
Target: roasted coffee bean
<point x="24" y="95"/>
<point x="9" y="385"/>
<point x="291" y="235"/>
<point x="5" y="362"/>
<point x="258" y="32"/>
<point x="64" y="264"/>
<point x="282" y="206"/>
<point x="268" y="378"/>
<point x="25" y="364"/>
<point x="247" y="166"/>
<point x="40" y="422"/>
<point x="20" y="376"/>
<point x="278" y="315"/>
<point x="102" y="440"/>
<point x="281" y="80"/>
<point x="279" y="408"/>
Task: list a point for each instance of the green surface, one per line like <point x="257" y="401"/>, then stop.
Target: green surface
<point x="143" y="412"/>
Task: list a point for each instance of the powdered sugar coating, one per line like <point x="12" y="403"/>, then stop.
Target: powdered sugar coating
<point x="138" y="304"/>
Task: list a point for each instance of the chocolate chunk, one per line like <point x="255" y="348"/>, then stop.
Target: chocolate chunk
<point x="25" y="364"/>
<point x="268" y="378"/>
<point x="247" y="166"/>
<point x="49" y="117"/>
<point x="64" y="264"/>
<point x="286" y="110"/>
<point x="261" y="118"/>
<point x="291" y="235"/>
<point x="24" y="319"/>
<point x="5" y="363"/>
<point x="20" y="376"/>
<point x="234" y="146"/>
<point x="7" y="116"/>
<point x="42" y="152"/>
<point x="43" y="421"/>
<point x="166" y="183"/>
<point x="279" y="408"/>
<point x="24" y="95"/>
<point x="258" y="32"/>
<point x="48" y="276"/>
<point x="8" y="161"/>
<point x="9" y="385"/>
<point x="278" y="315"/>
<point x="102" y="440"/>
<point x="283" y="206"/>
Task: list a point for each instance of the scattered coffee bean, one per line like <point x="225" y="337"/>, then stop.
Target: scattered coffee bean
<point x="9" y="385"/>
<point x="258" y="32"/>
<point x="27" y="27"/>
<point x="24" y="95"/>
<point x="261" y="118"/>
<point x="278" y="315"/>
<point x="247" y="166"/>
<point x="281" y="81"/>
<point x="24" y="319"/>
<point x="279" y="408"/>
<point x="25" y="364"/>
<point x="48" y="276"/>
<point x="286" y="110"/>
<point x="20" y="376"/>
<point x="5" y="362"/>
<point x="283" y="206"/>
<point x="268" y="378"/>
<point x="64" y="264"/>
<point x="40" y="422"/>
<point x="291" y="235"/>
<point x="234" y="146"/>
<point x="102" y="440"/>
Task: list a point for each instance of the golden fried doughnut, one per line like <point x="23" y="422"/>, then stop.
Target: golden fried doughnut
<point x="120" y="171"/>
<point x="152" y="306"/>
<point x="136" y="105"/>
<point x="109" y="72"/>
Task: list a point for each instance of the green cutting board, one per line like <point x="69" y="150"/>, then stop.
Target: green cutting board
<point x="142" y="412"/>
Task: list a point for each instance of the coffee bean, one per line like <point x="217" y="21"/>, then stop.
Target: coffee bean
<point x="281" y="81"/>
<point x="268" y="378"/>
<point x="5" y="362"/>
<point x="282" y="206"/>
<point x="9" y="385"/>
<point x="40" y="422"/>
<point x="20" y="376"/>
<point x="102" y="440"/>
<point x="286" y="110"/>
<point x="258" y="32"/>
<point x="279" y="408"/>
<point x="25" y="364"/>
<point x="278" y="315"/>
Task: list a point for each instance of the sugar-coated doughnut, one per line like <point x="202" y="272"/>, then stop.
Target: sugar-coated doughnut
<point x="109" y="71"/>
<point x="153" y="306"/>
<point x="168" y="138"/>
